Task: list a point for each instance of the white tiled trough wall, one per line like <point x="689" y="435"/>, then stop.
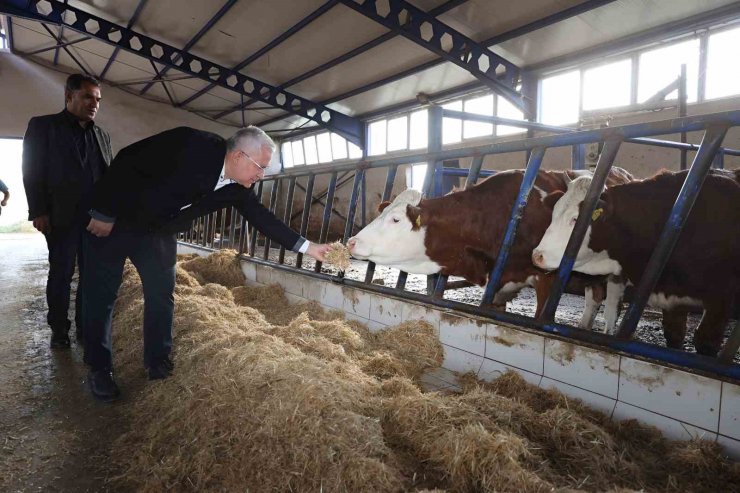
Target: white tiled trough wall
<point x="681" y="404"/>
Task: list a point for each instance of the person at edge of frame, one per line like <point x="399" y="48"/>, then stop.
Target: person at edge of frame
<point x="63" y="156"/>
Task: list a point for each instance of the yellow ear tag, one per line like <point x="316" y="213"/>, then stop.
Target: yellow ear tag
<point x="418" y="221"/>
<point x="596" y="214"/>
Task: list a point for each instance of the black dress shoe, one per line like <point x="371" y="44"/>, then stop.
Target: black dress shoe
<point x="161" y="369"/>
<point x="102" y="385"/>
<point x="59" y="339"/>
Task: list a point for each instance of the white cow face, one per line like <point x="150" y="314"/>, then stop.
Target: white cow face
<point x="550" y="251"/>
<point x="392" y="240"/>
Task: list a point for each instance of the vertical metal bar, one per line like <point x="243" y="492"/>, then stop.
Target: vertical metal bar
<point x="252" y="229"/>
<point x="390" y="179"/>
<point x="682" y="101"/>
<point x="206" y="226"/>
<point x="401" y="282"/>
<point x="214" y="228"/>
<point x="273" y="204"/>
<point x="702" y="85"/>
<point x="679" y="214"/>
<point x="243" y="235"/>
<point x="306" y="214"/>
<point x="606" y="159"/>
<point x="634" y="78"/>
<point x="223" y="228"/>
<point x="327" y="214"/>
<point x="517" y="211"/>
<point x="288" y="212"/>
<point x="232" y="228"/>
<point x="578" y="156"/>
<point x="363" y="203"/>
<point x="434" y="175"/>
<point x="349" y="225"/>
<point x="719" y="160"/>
<point x="474" y="171"/>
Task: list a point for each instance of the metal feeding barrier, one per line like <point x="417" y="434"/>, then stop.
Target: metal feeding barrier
<point x="212" y="232"/>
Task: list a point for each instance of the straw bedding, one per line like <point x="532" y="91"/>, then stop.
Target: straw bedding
<point x="269" y="396"/>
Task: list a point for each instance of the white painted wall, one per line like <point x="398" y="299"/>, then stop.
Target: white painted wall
<point x="28" y="89"/>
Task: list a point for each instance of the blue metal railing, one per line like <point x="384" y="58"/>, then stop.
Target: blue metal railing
<point x="613" y="137"/>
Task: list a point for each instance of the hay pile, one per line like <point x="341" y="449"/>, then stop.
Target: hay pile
<point x="269" y="396"/>
<point x="338" y="256"/>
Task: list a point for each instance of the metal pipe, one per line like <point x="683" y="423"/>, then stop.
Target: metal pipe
<point x="682" y="101"/>
<point x="327" y="215"/>
<point x="676" y="220"/>
<point x="306" y="214"/>
<point x="252" y="228"/>
<point x="475" y="171"/>
<point x="276" y="185"/>
<point x="286" y="215"/>
<point x="390" y="179"/>
<point x="517" y="211"/>
<point x="606" y="160"/>
<point x="466" y="172"/>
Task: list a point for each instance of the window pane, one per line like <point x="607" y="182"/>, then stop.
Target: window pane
<point x="480" y="106"/>
<point x="722" y="79"/>
<point x="338" y="146"/>
<point x="417" y="176"/>
<point x="287" y="151"/>
<point x="419" y="129"/>
<point x="607" y="86"/>
<point x="298" y="152"/>
<point x="560" y="95"/>
<point x="377" y="137"/>
<point x="452" y="127"/>
<point x="397" y="133"/>
<point x="660" y="67"/>
<point x="309" y="147"/>
<point x="323" y="141"/>
<point x="354" y="151"/>
<point x="505" y="109"/>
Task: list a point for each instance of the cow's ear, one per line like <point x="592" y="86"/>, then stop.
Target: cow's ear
<point x="383" y="205"/>
<point x="551" y="198"/>
<point x="414" y="215"/>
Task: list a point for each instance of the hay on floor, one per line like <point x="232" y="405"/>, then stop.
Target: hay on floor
<point x="273" y="396"/>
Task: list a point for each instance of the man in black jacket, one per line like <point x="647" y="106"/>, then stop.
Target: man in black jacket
<point x="153" y="189"/>
<point x="63" y="155"/>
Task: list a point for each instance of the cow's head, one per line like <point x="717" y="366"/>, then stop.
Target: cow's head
<point x="566" y="208"/>
<point x="396" y="237"/>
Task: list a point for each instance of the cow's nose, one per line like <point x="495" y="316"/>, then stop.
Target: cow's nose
<point x="351" y="244"/>
<point x="537" y="258"/>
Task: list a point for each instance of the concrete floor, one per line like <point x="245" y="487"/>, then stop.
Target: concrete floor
<point x="53" y="435"/>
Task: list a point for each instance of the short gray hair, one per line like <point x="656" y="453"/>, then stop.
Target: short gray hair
<point x="251" y="138"/>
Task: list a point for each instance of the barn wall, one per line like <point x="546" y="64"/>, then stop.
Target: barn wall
<point x="29" y="89"/>
<point x="682" y="405"/>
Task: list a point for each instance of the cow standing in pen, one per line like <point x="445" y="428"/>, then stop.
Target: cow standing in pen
<point x="461" y="234"/>
<point x="703" y="269"/>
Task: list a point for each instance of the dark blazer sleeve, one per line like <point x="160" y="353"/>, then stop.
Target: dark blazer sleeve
<point x="35" y="161"/>
<point x="267" y="223"/>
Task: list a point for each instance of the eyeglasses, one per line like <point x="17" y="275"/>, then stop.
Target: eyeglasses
<point x="263" y="168"/>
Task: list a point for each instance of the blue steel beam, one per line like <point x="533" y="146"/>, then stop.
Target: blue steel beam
<point x="56" y="46"/>
<point x="130" y="24"/>
<point x="272" y="44"/>
<point x="350" y="128"/>
<point x="211" y="22"/>
<point x="530" y="175"/>
<point x="447" y="6"/>
<point x="500" y="38"/>
<point x="425" y="30"/>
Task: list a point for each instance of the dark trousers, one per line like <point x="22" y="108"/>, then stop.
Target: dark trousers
<point x="64" y="248"/>
<point x="154" y="256"/>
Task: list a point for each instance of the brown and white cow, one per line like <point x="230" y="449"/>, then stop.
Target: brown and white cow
<point x="703" y="269"/>
<point x="460" y="234"/>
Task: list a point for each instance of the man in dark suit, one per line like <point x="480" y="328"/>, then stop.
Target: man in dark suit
<point x="153" y="189"/>
<point x="63" y="155"/>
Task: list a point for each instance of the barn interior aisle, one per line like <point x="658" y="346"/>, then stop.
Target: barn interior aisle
<point x="53" y="436"/>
